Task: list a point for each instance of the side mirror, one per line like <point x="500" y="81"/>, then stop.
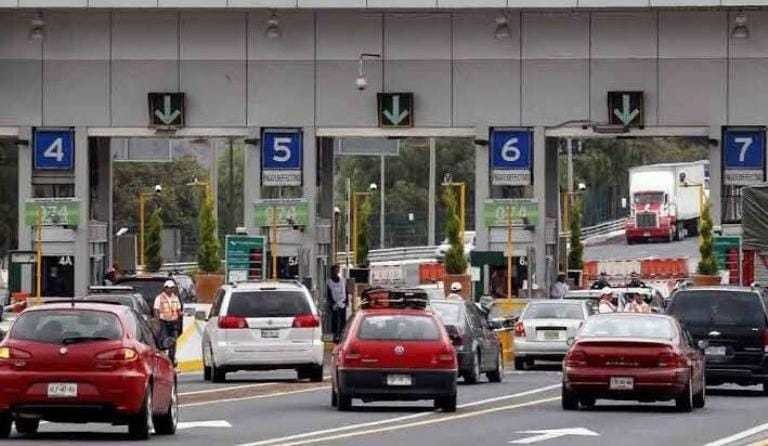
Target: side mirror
<point x="453" y="334"/>
<point x="703" y="344"/>
<point x="570" y="341"/>
<point x="201" y="315"/>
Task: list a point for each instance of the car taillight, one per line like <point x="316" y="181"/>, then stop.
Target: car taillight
<point x="120" y="355"/>
<point x="576" y="358"/>
<point x="519" y="330"/>
<point x="447" y="355"/>
<point x="7" y="353"/>
<point x="306" y="321"/>
<point x="232" y="322"/>
<point x="672" y="360"/>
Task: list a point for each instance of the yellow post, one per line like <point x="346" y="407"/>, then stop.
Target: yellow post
<point x="141" y="228"/>
<point x="39" y="254"/>
<point x="273" y="240"/>
<point x="509" y="252"/>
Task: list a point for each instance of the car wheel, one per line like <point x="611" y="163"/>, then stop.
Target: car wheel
<point x="446" y="403"/>
<point x="166" y="423"/>
<point x="140" y="425"/>
<point x="569" y="399"/>
<point x="765" y="388"/>
<point x="206" y="366"/>
<point x="27" y="425"/>
<point x="315" y="373"/>
<point x="5" y="425"/>
<point x="497" y="375"/>
<point x="684" y="402"/>
<point x="700" y="399"/>
<point x="473" y="375"/>
<point x="519" y="363"/>
<point x="344" y="402"/>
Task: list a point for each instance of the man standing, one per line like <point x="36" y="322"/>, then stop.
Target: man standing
<point x="337" y="302"/>
<point x="168" y="311"/>
<point x="559" y="288"/>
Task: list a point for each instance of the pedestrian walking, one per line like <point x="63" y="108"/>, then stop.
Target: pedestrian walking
<point x="455" y="293"/>
<point x="337" y="300"/>
<point x="168" y="311"/>
<point x="559" y="289"/>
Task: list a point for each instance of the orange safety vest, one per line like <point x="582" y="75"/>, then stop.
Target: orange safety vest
<point x="168" y="307"/>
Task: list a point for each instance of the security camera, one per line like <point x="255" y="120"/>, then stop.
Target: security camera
<point x="582" y="186"/>
<point x="373" y="187"/>
<point x="122" y="231"/>
<point x="158" y="188"/>
<point x="336" y="210"/>
<point x="361" y="83"/>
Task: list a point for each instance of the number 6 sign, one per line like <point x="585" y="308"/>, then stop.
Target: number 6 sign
<point x="281" y="157"/>
<point x="511" y="153"/>
<point x="54" y="149"/>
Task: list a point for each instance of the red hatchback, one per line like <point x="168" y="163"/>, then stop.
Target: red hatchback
<point x="394" y="352"/>
<point x="83" y="362"/>
<point x="627" y="356"/>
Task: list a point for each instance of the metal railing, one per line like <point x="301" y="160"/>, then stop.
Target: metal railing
<point x="394" y="254"/>
<point x="603" y="228"/>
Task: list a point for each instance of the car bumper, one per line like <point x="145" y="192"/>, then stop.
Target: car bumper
<point x="102" y="396"/>
<point x="644" y="233"/>
<point x="742" y="374"/>
<point x="241" y="356"/>
<point x="372" y="384"/>
<point x="552" y="350"/>
<point x="649" y="384"/>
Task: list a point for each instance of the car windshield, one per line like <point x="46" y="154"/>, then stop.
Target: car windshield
<point x="398" y="328"/>
<point x="718" y="308"/>
<point x="66" y="326"/>
<point x="449" y="312"/>
<point x="268" y="304"/>
<point x="628" y="327"/>
<point x="553" y="311"/>
<point x="649" y="197"/>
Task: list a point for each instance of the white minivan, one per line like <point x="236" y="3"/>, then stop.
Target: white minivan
<point x="263" y="326"/>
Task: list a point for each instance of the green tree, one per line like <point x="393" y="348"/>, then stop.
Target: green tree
<point x="230" y="197"/>
<point x="455" y="262"/>
<point x="364" y="215"/>
<point x="153" y="242"/>
<point x="707" y="264"/>
<point x="208" y="260"/>
<point x="577" y="249"/>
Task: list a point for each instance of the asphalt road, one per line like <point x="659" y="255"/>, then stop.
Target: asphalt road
<point x="270" y="409"/>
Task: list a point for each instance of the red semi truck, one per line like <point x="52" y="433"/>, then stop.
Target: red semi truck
<point x="665" y="200"/>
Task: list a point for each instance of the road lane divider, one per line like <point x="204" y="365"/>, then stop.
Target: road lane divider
<point x="273" y="441"/>
<point x="253" y="397"/>
<point x="739" y="436"/>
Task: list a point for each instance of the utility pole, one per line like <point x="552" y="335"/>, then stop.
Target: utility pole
<point x="509" y="252"/>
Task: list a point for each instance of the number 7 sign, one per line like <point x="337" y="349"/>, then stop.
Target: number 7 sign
<point x="743" y="156"/>
<point x="54" y="149"/>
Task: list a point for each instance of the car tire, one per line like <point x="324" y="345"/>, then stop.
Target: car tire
<point x="497" y="375"/>
<point x="206" y="367"/>
<point x="166" y="423"/>
<point x="334" y="398"/>
<point x="344" y="402"/>
<point x="569" y="400"/>
<point x="684" y="402"/>
<point x="519" y="363"/>
<point x="446" y="403"/>
<point x="473" y="375"/>
<point x="5" y="425"/>
<point x="140" y="425"/>
<point x="765" y="388"/>
<point x="27" y="425"/>
<point x="315" y="373"/>
<point x="218" y="374"/>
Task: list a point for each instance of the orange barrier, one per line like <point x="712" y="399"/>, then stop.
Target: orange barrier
<point x="664" y="268"/>
<point x="619" y="271"/>
<point x="431" y="272"/>
<point x="590" y="271"/>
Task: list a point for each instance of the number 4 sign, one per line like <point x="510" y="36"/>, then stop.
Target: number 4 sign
<point x="743" y="156"/>
<point x="54" y="149"/>
<point x="511" y="154"/>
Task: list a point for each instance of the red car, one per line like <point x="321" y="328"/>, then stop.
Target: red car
<point x="394" y="350"/>
<point x="640" y="357"/>
<point x="83" y="362"/>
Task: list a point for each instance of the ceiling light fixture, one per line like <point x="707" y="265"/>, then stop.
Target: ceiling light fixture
<point x="740" y="29"/>
<point x="502" y="27"/>
<point x="273" y="27"/>
<point x="362" y="81"/>
<point x="37" y="27"/>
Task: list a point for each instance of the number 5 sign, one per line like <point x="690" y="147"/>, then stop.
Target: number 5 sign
<point x="511" y="154"/>
<point x="54" y="149"/>
<point x="281" y="157"/>
<point x="743" y="156"/>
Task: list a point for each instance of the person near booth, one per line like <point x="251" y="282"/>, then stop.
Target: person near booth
<point x="168" y="311"/>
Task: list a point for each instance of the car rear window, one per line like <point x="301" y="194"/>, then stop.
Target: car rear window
<point x="450" y="313"/>
<point x="398" y="328"/>
<point x="268" y="304"/>
<point x="66" y="326"/>
<point x="553" y="311"/>
<point x="718" y="308"/>
<point x="628" y="327"/>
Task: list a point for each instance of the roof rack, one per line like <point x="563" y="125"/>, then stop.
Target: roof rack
<point x="412" y="298"/>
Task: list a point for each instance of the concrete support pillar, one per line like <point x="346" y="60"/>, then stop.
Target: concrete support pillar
<point x="82" y="192"/>
<point x="251" y="179"/>
<point x="25" y="193"/>
<point x="540" y="193"/>
<point x="715" y="174"/>
<point x="309" y="241"/>
<point x="482" y="189"/>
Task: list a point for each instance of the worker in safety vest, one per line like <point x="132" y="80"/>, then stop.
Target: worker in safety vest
<point x="168" y="311"/>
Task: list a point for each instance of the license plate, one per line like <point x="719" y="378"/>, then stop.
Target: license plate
<point x="62" y="390"/>
<point x="622" y="383"/>
<point x="715" y="351"/>
<point x="398" y="380"/>
<point x="272" y="334"/>
<point x="551" y="335"/>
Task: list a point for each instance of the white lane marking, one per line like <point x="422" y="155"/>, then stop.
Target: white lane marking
<point x="242" y="386"/>
<point x="551" y="434"/>
<point x="254" y="397"/>
<point x="195" y="424"/>
<point x="444" y="419"/>
<point x="396" y="419"/>
<point x="739" y="436"/>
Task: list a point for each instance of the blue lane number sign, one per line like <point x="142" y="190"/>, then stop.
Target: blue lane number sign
<point x="511" y="156"/>
<point x="281" y="157"/>
<point x="54" y="149"/>
<point x="743" y="156"/>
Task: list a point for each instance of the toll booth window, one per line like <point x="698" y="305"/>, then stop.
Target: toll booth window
<point x="53" y="190"/>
